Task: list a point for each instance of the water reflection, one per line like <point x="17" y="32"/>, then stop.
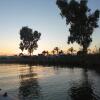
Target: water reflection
<point x="83" y="91"/>
<point x="25" y="82"/>
<point x="29" y="87"/>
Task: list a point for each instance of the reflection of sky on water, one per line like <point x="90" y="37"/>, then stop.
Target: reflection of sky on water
<point x="49" y="83"/>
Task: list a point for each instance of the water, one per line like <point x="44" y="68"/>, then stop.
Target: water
<point x="49" y="83"/>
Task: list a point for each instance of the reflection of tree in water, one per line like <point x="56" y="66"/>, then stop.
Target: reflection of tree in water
<point x="29" y="87"/>
<point x="84" y="90"/>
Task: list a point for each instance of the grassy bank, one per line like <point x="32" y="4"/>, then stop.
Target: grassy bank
<point x="75" y="60"/>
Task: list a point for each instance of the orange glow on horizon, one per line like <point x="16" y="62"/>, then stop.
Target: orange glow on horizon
<point x="16" y="51"/>
<point x="6" y="52"/>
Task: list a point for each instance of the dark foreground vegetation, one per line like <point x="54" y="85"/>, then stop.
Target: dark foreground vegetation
<point x="90" y="60"/>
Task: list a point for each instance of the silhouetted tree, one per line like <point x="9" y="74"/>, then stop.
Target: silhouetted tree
<point x="61" y="52"/>
<point x="99" y="50"/>
<point x="29" y="39"/>
<point x="53" y="51"/>
<point x="47" y="52"/>
<point x="44" y="52"/>
<point x="82" y="22"/>
<point x="21" y="46"/>
<point x="56" y="49"/>
<point x="71" y="49"/>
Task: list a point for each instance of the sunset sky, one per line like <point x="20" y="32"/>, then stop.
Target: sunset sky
<point x="41" y="15"/>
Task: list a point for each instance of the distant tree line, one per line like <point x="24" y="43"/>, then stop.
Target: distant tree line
<point x="82" y="24"/>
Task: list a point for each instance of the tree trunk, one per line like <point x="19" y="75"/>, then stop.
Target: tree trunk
<point x="30" y="54"/>
<point x="84" y="49"/>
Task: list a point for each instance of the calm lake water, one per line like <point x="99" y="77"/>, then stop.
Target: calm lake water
<point x="49" y="83"/>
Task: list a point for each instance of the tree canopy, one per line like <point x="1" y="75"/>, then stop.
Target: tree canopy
<point x="81" y="20"/>
<point x="29" y="39"/>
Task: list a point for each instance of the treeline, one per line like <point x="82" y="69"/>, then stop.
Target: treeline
<point x="89" y="60"/>
<point x="82" y="23"/>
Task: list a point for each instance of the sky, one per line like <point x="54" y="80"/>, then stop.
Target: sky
<point x="41" y="15"/>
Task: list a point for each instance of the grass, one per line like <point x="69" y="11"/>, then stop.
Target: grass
<point x="89" y="60"/>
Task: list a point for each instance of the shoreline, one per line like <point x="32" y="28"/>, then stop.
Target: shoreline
<point x="90" y="60"/>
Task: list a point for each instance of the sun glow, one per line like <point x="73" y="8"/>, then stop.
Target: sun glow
<point x="7" y="52"/>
